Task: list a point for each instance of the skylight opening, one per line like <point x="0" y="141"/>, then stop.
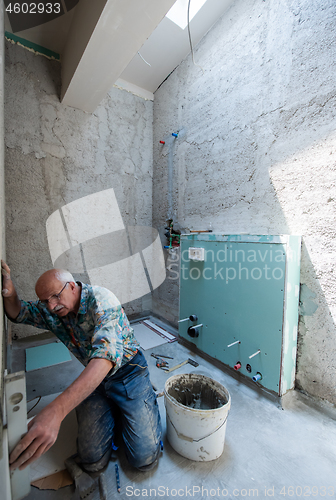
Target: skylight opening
<point x="179" y="11"/>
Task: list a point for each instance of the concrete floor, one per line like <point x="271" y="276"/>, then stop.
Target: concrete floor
<point x="269" y="452"/>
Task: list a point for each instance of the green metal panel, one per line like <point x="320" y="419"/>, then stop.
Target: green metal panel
<point x="238" y="293"/>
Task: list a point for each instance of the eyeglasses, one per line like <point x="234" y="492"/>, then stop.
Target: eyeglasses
<point x="54" y="297"/>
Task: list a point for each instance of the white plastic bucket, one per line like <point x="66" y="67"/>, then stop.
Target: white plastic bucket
<point x="197" y="408"/>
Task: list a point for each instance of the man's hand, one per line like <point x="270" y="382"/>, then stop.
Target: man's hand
<point x="43" y="429"/>
<point x="12" y="303"/>
<point x="42" y="433"/>
<point x="8" y="289"/>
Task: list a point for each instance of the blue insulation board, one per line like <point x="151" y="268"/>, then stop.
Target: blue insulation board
<point x="46" y="355"/>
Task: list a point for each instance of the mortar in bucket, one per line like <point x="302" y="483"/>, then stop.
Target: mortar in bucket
<point x="197" y="408"/>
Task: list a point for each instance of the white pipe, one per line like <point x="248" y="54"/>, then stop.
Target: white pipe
<point x="252" y="356"/>
<point x="234" y="343"/>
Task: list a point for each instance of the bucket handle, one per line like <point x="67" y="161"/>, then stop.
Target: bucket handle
<point x="191" y="440"/>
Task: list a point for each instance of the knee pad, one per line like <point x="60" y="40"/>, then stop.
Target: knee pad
<point x="99" y="465"/>
<point x="145" y="466"/>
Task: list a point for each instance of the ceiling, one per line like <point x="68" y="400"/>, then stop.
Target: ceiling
<point x="128" y="43"/>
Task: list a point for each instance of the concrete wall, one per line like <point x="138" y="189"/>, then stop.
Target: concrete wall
<point x="3" y="340"/>
<point x="257" y="153"/>
<point x="56" y="154"/>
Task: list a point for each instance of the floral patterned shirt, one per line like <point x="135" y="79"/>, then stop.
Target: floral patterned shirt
<point x="99" y="330"/>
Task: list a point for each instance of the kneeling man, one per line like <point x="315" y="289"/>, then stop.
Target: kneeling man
<point x="90" y="321"/>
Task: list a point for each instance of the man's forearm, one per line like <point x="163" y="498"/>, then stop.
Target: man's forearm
<point x="12" y="306"/>
<point x="44" y="428"/>
<point x="12" y="303"/>
<point x="83" y="386"/>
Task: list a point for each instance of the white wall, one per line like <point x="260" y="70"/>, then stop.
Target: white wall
<point x="259" y="152"/>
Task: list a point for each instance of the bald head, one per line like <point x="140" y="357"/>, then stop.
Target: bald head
<point x="59" y="291"/>
<point x="51" y="277"/>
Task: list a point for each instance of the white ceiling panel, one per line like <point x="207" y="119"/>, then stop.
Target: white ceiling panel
<point x="168" y="45"/>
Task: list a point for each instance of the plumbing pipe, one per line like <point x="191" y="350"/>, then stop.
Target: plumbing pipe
<point x="192" y="317"/>
<point x="170" y="180"/>
<point x="252" y="355"/>
<point x="193" y="331"/>
<point x="234" y="343"/>
<point x="205" y="231"/>
<point x="257" y="377"/>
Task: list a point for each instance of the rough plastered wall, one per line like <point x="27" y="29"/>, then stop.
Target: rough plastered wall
<point x="257" y="153"/>
<point x="56" y="154"/>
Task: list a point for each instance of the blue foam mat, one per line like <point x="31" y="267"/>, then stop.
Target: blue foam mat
<point x="46" y="355"/>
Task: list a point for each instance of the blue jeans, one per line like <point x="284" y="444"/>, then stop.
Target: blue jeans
<point x="130" y="394"/>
